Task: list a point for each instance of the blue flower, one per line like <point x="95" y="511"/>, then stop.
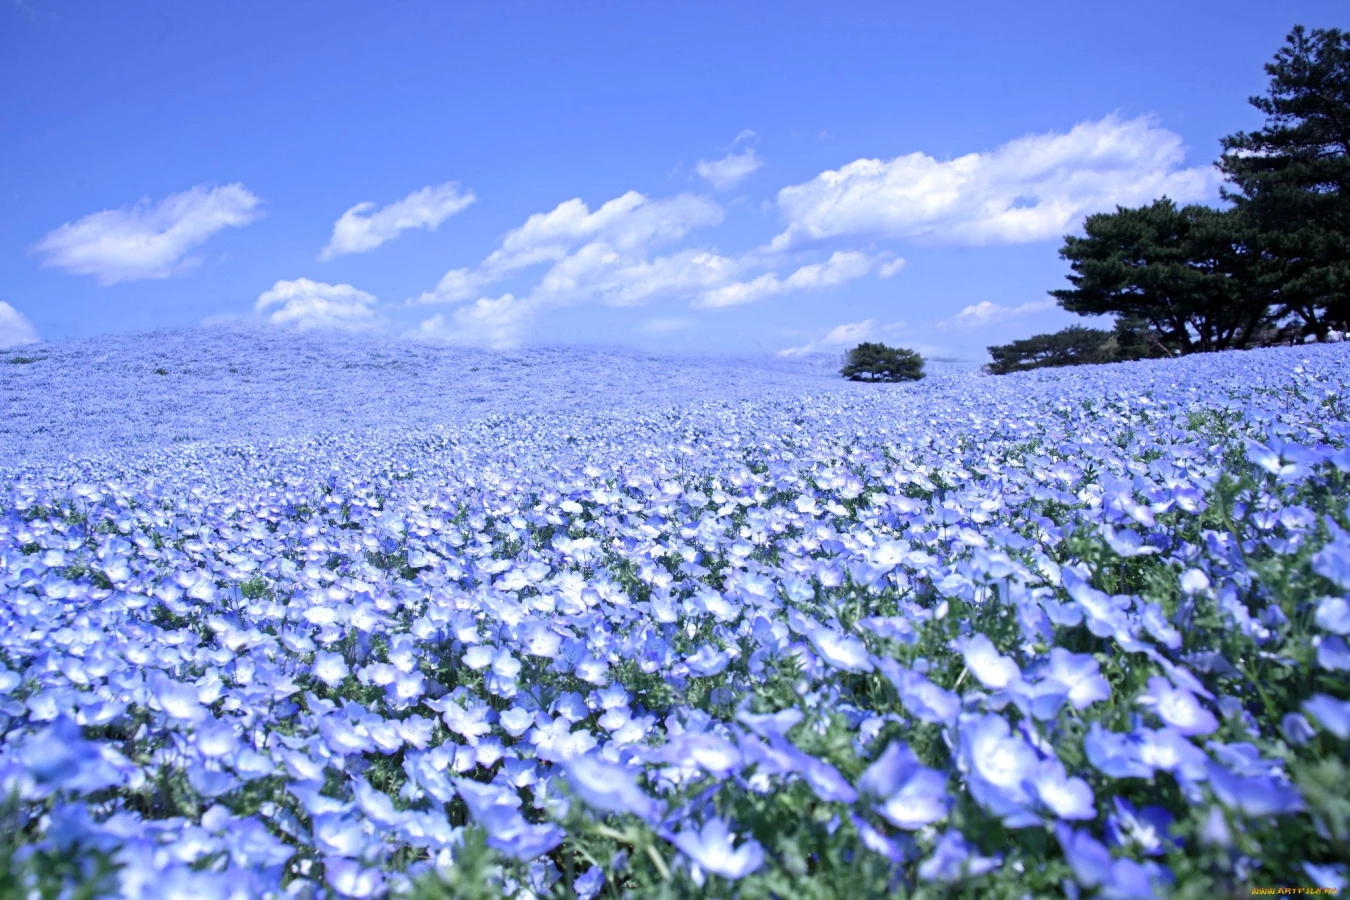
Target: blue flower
<point x="1333" y="614"/>
<point x="1042" y="700"/>
<point x="1126" y="543"/>
<point x="1333" y="561"/>
<point x="540" y="640"/>
<point x="1080" y="674"/>
<point x="589" y="883"/>
<point x="1297" y="730"/>
<point x="1090" y="861"/>
<point x="840" y="650"/>
<point x="178" y="700"/>
<point x="343" y="738"/>
<point x="1156" y="624"/>
<point x="825" y="780"/>
<point x="1333" y="654"/>
<point x="1067" y="798"/>
<point x="330" y="668"/>
<point x="707" y="661"/>
<point x="998" y="765"/>
<point x="1169" y="750"/>
<point x="994" y="670"/>
<point x="877" y="842"/>
<point x="1146" y="829"/>
<point x="779" y="723"/>
<point x="711" y="752"/>
<point x="1115" y="755"/>
<point x="610" y="788"/>
<point x="1332" y="713"/>
<point x="516" y="721"/>
<point x="912" y="794"/>
<point x="1260" y="795"/>
<point x="922" y="699"/>
<point x="60" y="758"/>
<point x="713" y="849"/>
<point x="337" y="835"/>
<point x="1194" y="581"/>
<point x="954" y="859"/>
<point x="1105" y="615"/>
<point x="349" y="879"/>
<point x="1178" y="707"/>
<point x="508" y="832"/>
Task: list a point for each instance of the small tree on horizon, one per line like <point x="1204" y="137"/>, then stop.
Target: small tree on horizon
<point x="877" y="362"/>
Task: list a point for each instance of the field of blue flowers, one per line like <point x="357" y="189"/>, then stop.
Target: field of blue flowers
<point x="311" y="616"/>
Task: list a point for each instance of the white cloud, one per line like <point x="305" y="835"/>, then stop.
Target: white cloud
<point x="307" y="305"/>
<point x="624" y="227"/>
<point x="987" y="313"/>
<point x="499" y="323"/>
<point x="597" y="273"/>
<point x="848" y="334"/>
<point x="145" y="240"/>
<point x="841" y="267"/>
<point x="665" y="325"/>
<point x="361" y="229"/>
<point x="609" y="256"/>
<point x="730" y="169"/>
<point x="890" y="268"/>
<point x="14" y="328"/>
<point x="1037" y="187"/>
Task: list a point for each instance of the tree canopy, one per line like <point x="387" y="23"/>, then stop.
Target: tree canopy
<point x="1076" y="346"/>
<point x="1272" y="268"/>
<point x="877" y="362"/>
<point x="1193" y="273"/>
<point x="1291" y="179"/>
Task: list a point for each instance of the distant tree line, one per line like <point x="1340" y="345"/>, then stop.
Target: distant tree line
<point x="1273" y="268"/>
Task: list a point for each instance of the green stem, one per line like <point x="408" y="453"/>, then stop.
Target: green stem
<point x="660" y="863"/>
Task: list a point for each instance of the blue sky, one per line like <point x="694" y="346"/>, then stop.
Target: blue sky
<point x="726" y="177"/>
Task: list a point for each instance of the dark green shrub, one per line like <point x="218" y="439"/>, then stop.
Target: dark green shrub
<point x="877" y="362"/>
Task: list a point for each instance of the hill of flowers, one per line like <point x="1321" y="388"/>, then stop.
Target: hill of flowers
<point x="1076" y="632"/>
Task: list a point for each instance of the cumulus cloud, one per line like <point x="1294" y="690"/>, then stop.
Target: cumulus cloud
<point x="987" y="313"/>
<point x="730" y="170"/>
<point x="848" y="334"/>
<point x="14" y="328"/>
<point x="618" y="255"/>
<point x="147" y="240"/>
<point x="1037" y="187"/>
<point x="499" y="323"/>
<point x="363" y="227"/>
<point x="306" y="305"/>
<point x="596" y="273"/>
<point x="623" y="228"/>
<point x="841" y="267"/>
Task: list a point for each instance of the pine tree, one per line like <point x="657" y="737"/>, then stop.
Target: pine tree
<point x="877" y="362"/>
<point x="1292" y="177"/>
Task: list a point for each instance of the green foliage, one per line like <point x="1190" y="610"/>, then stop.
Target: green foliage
<point x="1291" y="176"/>
<point x="1076" y="346"/>
<point x="877" y="362"/>
<point x="44" y="870"/>
<point x="1192" y="273"/>
<point x="475" y="875"/>
<point x="1193" y="279"/>
<point x="1073" y="346"/>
